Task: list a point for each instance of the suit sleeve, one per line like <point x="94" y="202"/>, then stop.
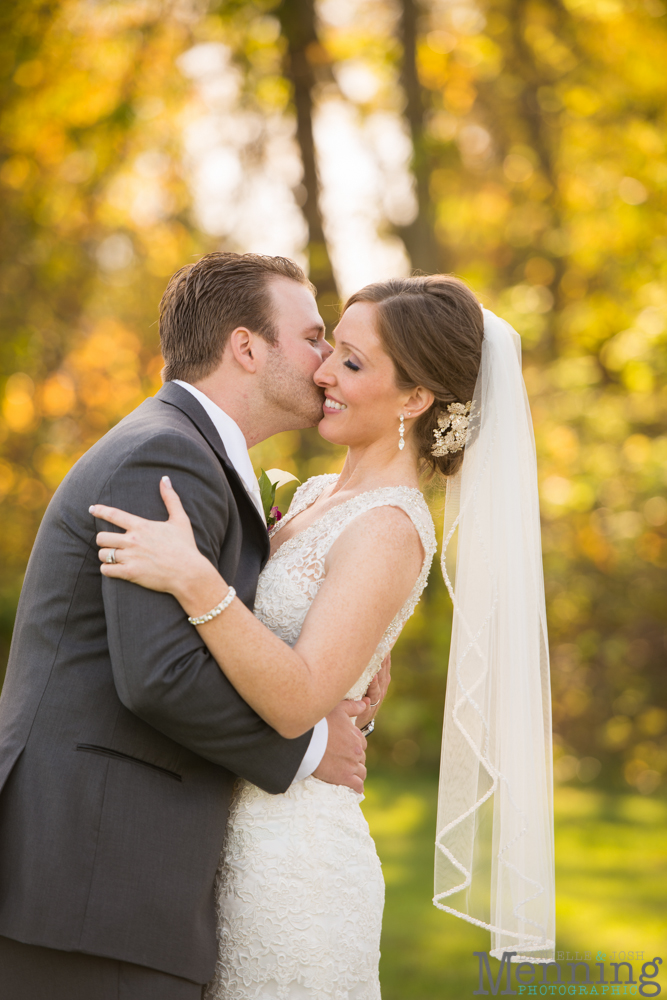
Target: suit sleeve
<point x="162" y="670"/>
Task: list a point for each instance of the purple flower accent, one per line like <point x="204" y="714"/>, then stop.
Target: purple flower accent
<point x="273" y="517"/>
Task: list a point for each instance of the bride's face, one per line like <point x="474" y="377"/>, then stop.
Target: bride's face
<point x="362" y="401"/>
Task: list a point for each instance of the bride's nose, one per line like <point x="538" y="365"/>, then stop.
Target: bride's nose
<point x="324" y="375"/>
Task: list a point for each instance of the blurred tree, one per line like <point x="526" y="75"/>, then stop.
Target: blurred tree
<point x="423" y="249"/>
<point x="304" y="54"/>
<point x="281" y="70"/>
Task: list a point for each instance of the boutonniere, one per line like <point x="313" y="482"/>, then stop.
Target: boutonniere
<point x="269" y="482"/>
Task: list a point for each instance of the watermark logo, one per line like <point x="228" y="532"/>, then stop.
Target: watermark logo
<point x="577" y="975"/>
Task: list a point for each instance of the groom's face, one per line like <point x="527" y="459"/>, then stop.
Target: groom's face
<point x="300" y="349"/>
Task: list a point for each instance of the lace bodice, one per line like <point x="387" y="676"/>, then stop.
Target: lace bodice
<point x="292" y="577"/>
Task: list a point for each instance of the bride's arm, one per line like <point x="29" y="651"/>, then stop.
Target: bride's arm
<point x="370" y="572"/>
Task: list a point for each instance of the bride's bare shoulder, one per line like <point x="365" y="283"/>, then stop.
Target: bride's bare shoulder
<point x="388" y="532"/>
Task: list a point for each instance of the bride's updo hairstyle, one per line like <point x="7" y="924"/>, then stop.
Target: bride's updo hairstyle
<point x="431" y="327"/>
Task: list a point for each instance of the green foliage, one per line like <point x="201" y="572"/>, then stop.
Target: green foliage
<point x="267" y="491"/>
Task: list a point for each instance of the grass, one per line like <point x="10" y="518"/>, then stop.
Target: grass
<point x="611" y="881"/>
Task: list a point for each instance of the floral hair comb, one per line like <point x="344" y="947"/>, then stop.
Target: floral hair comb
<point x="450" y="434"/>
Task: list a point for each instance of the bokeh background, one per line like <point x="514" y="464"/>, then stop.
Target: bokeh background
<point x="521" y="144"/>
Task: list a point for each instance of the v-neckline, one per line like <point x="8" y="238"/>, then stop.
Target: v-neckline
<point x="290" y="516"/>
<point x="287" y="518"/>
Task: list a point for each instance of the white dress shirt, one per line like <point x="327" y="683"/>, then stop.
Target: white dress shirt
<point x="235" y="445"/>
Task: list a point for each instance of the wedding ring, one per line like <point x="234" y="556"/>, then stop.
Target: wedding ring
<point x="376" y="703"/>
<point x="111" y="558"/>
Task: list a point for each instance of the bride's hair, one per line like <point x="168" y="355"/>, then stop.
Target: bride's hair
<point x="432" y="328"/>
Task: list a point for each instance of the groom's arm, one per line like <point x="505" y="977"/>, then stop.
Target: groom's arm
<point x="162" y="670"/>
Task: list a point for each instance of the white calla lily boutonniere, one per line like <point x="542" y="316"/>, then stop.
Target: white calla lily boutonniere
<point x="269" y="482"/>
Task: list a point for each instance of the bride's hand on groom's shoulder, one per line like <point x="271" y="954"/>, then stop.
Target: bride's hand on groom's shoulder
<point x="159" y="555"/>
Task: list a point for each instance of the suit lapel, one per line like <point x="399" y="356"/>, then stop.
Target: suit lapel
<point x="179" y="397"/>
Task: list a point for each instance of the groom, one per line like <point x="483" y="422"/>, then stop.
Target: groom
<point x="120" y="737"/>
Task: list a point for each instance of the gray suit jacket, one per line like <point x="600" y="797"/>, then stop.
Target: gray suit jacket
<point x="120" y="737"/>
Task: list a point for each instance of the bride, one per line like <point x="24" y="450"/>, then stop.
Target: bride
<point x="300" y="891"/>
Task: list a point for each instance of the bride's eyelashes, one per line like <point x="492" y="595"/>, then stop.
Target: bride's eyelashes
<point x="350" y="364"/>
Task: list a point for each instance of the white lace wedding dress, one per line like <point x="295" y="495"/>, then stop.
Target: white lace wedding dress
<point x="300" y="890"/>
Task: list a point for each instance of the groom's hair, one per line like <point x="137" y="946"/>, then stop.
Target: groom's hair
<point x="204" y="302"/>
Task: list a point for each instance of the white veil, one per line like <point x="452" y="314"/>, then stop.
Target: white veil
<point x="494" y="859"/>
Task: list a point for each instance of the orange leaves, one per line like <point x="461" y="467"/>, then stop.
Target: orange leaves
<point x="517" y="168"/>
<point x="16" y="171"/>
<point x="52" y="465"/>
<point x="106" y="369"/>
<point x="166" y="248"/>
<point x="563" y="444"/>
<point x="652" y="548"/>
<point x="18" y="408"/>
<point x="58" y="395"/>
<point x="539" y="271"/>
<point x="637" y="449"/>
<point x="432" y="61"/>
<point x="99" y="383"/>
<point x="459" y="95"/>
<point x="596" y="547"/>
<point x="95" y="97"/>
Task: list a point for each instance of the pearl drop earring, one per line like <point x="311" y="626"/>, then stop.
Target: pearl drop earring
<point x="401" y="432"/>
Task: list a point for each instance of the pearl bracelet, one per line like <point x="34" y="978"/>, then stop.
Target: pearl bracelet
<point x="217" y="610"/>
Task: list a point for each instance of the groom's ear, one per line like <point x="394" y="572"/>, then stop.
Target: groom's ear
<point x="243" y="345"/>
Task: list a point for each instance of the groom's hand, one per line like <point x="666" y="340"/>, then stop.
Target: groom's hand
<point x="344" y="762"/>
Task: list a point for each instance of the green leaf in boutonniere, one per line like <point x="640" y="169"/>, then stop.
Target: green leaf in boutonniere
<point x="269" y="482"/>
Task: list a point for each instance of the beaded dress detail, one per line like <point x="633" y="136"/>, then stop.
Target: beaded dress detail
<point x="300" y="892"/>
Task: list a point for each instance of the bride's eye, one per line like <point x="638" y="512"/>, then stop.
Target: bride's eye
<point x="351" y="366"/>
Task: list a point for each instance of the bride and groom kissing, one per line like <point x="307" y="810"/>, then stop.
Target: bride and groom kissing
<point x="182" y="722"/>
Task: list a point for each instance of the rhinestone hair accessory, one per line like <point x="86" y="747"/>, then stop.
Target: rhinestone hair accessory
<point x="450" y="434"/>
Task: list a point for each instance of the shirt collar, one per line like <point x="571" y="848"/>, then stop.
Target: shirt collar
<point x="233" y="439"/>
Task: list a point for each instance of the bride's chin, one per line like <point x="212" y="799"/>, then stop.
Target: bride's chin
<point x="328" y="432"/>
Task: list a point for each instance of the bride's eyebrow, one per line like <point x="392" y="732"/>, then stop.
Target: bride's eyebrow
<point x="351" y="347"/>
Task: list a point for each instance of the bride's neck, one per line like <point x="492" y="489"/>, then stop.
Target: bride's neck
<point x="374" y="466"/>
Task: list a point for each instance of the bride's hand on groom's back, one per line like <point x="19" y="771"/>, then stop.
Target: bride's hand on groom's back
<point x="344" y="762"/>
<point x="377" y="689"/>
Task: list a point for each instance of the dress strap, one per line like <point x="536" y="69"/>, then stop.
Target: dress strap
<point x="405" y="498"/>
